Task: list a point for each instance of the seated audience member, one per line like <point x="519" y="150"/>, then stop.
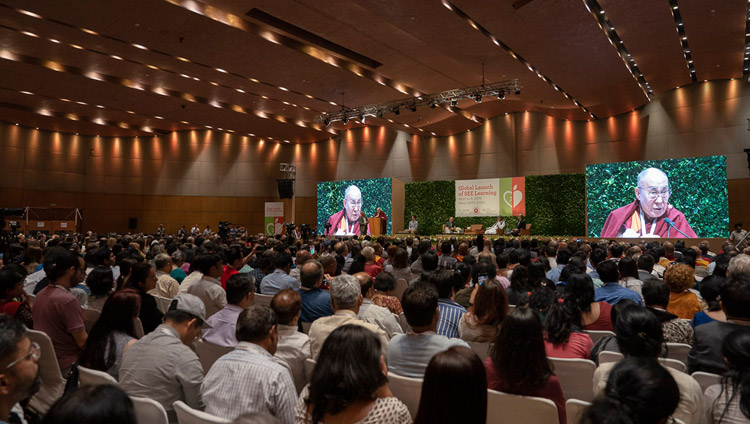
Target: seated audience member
<point x="706" y="353"/>
<point x="563" y="256"/>
<point x="488" y="308"/>
<point x="350" y="385"/>
<point x="520" y="286"/>
<point x="517" y="363"/>
<point x="564" y="336"/>
<point x="639" y="391"/>
<point x="682" y="302"/>
<point x="594" y="315"/>
<point x="302" y="256"/>
<point x="346" y="299"/>
<point x="639" y="334"/>
<point x="399" y="265"/>
<point x="450" y="311"/>
<point x="234" y="263"/>
<point x="441" y="402"/>
<point x="249" y="379"/>
<point x="166" y="285"/>
<point x="646" y="267"/>
<point x="113" y="333"/>
<point x="13" y="300"/>
<point x="142" y="279"/>
<point x="19" y="369"/>
<point x="629" y="274"/>
<point x="729" y="401"/>
<point x="612" y="292"/>
<point x="676" y="330"/>
<point x="279" y="279"/>
<point x="316" y="302"/>
<point x="609" y="343"/>
<point x="463" y="282"/>
<point x="178" y="258"/>
<point x="100" y="282"/>
<point x="371" y="266"/>
<point x="358" y="264"/>
<point x="710" y="293"/>
<point x="384" y="285"/>
<point x="204" y="283"/>
<point x="372" y="313"/>
<point x="100" y="404"/>
<point x="223" y="324"/>
<point x="126" y="266"/>
<point x="446" y="261"/>
<point x="56" y="311"/>
<point x="429" y="263"/>
<point x="409" y="354"/>
<point x="161" y="366"/>
<point x="293" y="346"/>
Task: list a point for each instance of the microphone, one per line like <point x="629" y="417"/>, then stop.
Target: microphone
<point x="671" y="224"/>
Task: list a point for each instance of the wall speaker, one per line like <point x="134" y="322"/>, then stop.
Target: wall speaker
<point x="132" y="223"/>
<point x="286" y="188"/>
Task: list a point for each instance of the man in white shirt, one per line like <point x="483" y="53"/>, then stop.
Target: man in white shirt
<point x="409" y="354"/>
<point x="346" y="299"/>
<point x="497" y="227"/>
<point x="240" y="295"/>
<point x="293" y="346"/>
<point x="195" y="230"/>
<point x="204" y="282"/>
<point x="372" y="313"/>
<point x="249" y="378"/>
<point x="303" y="255"/>
<point x="166" y="286"/>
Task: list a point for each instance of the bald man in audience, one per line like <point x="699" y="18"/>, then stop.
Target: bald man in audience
<point x="166" y="286"/>
<point x="372" y="313"/>
<point x="293" y="347"/>
<point x="316" y="302"/>
<point x="303" y="255"/>
<point x="329" y="265"/>
<point x="346" y="299"/>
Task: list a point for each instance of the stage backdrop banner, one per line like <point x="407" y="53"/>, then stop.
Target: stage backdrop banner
<point x="274" y="223"/>
<point x="478" y="197"/>
<point x="512" y="196"/>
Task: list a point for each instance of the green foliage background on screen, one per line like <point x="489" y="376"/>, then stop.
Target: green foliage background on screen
<point x="376" y="193"/>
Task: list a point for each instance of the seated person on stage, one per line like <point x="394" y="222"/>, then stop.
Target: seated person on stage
<point x="409" y="354"/>
<point x="650" y="214"/>
<point x="413" y="225"/>
<point x="521" y="226"/>
<point x="450" y="227"/>
<point x="498" y="227"/>
<point x="347" y="221"/>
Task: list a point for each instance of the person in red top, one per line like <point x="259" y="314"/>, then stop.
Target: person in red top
<point x="371" y="267"/>
<point x="235" y="262"/>
<point x="594" y="315"/>
<point x="518" y="363"/>
<point x="13" y="300"/>
<point x="564" y="335"/>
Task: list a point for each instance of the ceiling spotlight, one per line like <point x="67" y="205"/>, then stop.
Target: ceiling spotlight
<point x="454" y="102"/>
<point x="327" y="121"/>
<point x="431" y="104"/>
<point x="518" y="92"/>
<point x="478" y="98"/>
<point x="413" y="107"/>
<point x="379" y="113"/>
<point x="501" y="94"/>
<point x="396" y="110"/>
<point x="345" y="120"/>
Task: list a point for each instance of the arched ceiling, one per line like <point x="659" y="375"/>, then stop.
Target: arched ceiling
<point x="266" y="68"/>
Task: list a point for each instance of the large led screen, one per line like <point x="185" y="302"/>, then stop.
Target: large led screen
<point x="341" y="205"/>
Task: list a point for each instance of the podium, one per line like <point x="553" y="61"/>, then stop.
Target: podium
<point x="376" y="226"/>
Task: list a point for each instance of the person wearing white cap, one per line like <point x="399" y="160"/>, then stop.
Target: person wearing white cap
<point x="161" y="366"/>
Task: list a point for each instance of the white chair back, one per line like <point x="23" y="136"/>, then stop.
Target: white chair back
<point x="608" y="356"/>
<point x="408" y="390"/>
<point x="706" y="379"/>
<point x="574" y="410"/>
<point x="208" y="353"/>
<point x="149" y="411"/>
<point x="401" y="285"/>
<point x="673" y="363"/>
<point x="306" y="327"/>
<point x="309" y="367"/>
<point x="90" y="316"/>
<point x="188" y="415"/>
<point x="576" y="377"/>
<point x="138" y="328"/>
<point x="597" y="335"/>
<point x="53" y="383"/>
<point x="162" y="303"/>
<point x="404" y="324"/>
<point x="482" y="349"/>
<point x="262" y="299"/>
<point x="678" y="351"/>
<point x="89" y="377"/>
<point x="507" y="408"/>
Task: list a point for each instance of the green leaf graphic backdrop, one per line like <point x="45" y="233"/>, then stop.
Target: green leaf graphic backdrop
<point x="699" y="190"/>
<point x="375" y="193"/>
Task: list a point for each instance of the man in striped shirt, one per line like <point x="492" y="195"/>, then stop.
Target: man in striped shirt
<point x="450" y="311"/>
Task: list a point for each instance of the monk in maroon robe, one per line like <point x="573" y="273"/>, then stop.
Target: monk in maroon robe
<point x="650" y="214"/>
<point x="346" y="221"/>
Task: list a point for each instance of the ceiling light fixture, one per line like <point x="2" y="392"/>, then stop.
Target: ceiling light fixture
<point x="675" y="9"/>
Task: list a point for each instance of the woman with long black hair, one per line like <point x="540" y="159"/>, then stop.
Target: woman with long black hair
<point x="729" y="402"/>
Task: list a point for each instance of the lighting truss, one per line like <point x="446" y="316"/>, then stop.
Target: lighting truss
<point x="498" y="89"/>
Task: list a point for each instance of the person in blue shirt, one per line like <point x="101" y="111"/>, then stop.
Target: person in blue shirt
<point x="450" y="311"/>
<point x="279" y="279"/>
<point x="316" y="303"/>
<point x="612" y="292"/>
<point x="563" y="256"/>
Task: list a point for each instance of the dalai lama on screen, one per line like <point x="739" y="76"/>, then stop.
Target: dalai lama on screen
<point x="346" y="221"/>
<point x="650" y="215"/>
